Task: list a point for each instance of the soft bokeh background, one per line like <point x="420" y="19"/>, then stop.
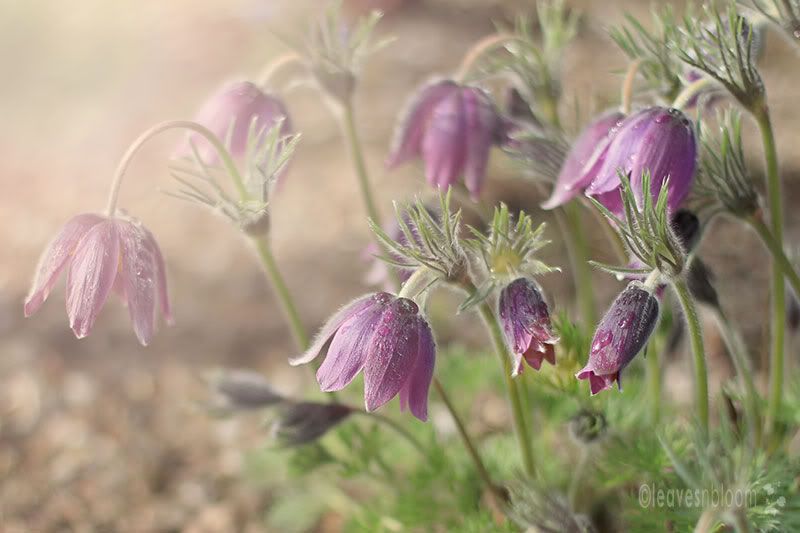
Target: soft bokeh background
<point x="104" y="435"/>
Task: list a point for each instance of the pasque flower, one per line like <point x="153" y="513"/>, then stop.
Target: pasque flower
<point x="584" y="159"/>
<point x="387" y="337"/>
<point x="657" y="140"/>
<point x="621" y="334"/>
<point x="232" y="114"/>
<point x="102" y="254"/>
<point x="451" y="127"/>
<point x="526" y="324"/>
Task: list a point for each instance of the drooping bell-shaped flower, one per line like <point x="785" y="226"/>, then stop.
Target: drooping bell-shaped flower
<point x="584" y="159"/>
<point x="302" y="422"/>
<point x="451" y="127"/>
<point x="102" y="254"/>
<point x="232" y="114"/>
<point x="387" y="337"/>
<point x="621" y="334"/>
<point x="657" y="140"/>
<point x="526" y="324"/>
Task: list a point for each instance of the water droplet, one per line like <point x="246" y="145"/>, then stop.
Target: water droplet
<point x="603" y="340"/>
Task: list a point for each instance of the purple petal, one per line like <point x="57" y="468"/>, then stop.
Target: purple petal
<point x="414" y="394"/>
<point x="444" y="143"/>
<point x="577" y="172"/>
<point x="333" y="324"/>
<point x="409" y="133"/>
<point x="393" y="352"/>
<point x="55" y="258"/>
<point x="91" y="275"/>
<point x="138" y="278"/>
<point x="161" y="276"/>
<point x="482" y="123"/>
<point x="349" y="348"/>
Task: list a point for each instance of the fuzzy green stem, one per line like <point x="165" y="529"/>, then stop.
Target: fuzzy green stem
<point x="276" y="65"/>
<point x="653" y="371"/>
<point x="778" y="254"/>
<point x="468" y="444"/>
<point x="698" y="350"/>
<point x="775" y="200"/>
<point x="514" y="396"/>
<point x="626" y="97"/>
<point x="575" y="239"/>
<point x="360" y="166"/>
<point x="692" y="90"/>
<point x="284" y="296"/>
<point x="577" y="476"/>
<point x="744" y="371"/>
<point x="481" y="47"/>
<point x="224" y="155"/>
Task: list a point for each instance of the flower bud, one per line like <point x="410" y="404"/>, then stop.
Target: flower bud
<point x="584" y="159"/>
<point x="452" y="128"/>
<point x="102" y="255"/>
<point x="526" y="324"/>
<point x="387" y="337"/>
<point x="244" y="389"/>
<point x="700" y="282"/>
<point x="656" y="140"/>
<point x="621" y="334"/>
<point x="303" y="422"/>
<point x="686" y="226"/>
<point x="587" y="426"/>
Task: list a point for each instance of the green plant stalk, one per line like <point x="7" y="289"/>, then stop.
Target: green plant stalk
<point x="778" y="254"/>
<point x="514" y="396"/>
<point x="468" y="444"/>
<point x="778" y="317"/>
<point x="741" y="363"/>
<point x="698" y="350"/>
<point x="399" y="429"/>
<point x="285" y="299"/>
<point x="575" y="239"/>
<point x="653" y="370"/>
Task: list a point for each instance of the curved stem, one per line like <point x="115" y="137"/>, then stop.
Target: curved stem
<point x="698" y="350"/>
<point x="577" y="476"/>
<point x="399" y="429"/>
<point x="284" y="296"/>
<point x="575" y="239"/>
<point x="690" y="91"/>
<point x="778" y="254"/>
<point x="627" y="86"/>
<point x="468" y="444"/>
<point x="744" y="371"/>
<point x="514" y="397"/>
<point x="276" y="65"/>
<point x="479" y="48"/>
<point x="778" y="296"/>
<point x="224" y="155"/>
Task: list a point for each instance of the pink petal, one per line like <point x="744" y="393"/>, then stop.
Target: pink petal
<point x="409" y="133"/>
<point x="138" y="278"/>
<point x="55" y="258"/>
<point x="91" y="275"/>
<point x="481" y="125"/>
<point x="161" y="276"/>
<point x="444" y="143"/>
<point x="414" y="393"/>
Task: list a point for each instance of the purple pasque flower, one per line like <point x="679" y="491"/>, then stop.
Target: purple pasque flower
<point x="526" y="324"/>
<point x="102" y="254"/>
<point x="620" y="335"/>
<point x="230" y="114"/>
<point x="387" y="337"/>
<point x="657" y="140"/>
<point x="451" y="127"/>
<point x="584" y="159"/>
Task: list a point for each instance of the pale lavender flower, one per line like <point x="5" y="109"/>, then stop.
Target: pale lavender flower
<point x="451" y="127"/>
<point x="387" y="337"/>
<point x="656" y="140"/>
<point x="231" y="114"/>
<point x="621" y="334"/>
<point x="584" y="159"/>
<point x="526" y="324"/>
<point x="102" y="254"/>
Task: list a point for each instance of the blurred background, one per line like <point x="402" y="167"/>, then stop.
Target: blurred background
<point x="104" y="435"/>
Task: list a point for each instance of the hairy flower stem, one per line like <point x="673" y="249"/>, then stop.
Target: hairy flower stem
<point x="577" y="477"/>
<point x="360" y="165"/>
<point x="575" y="239"/>
<point x="744" y="371"/>
<point x="282" y="291"/>
<point x="397" y="428"/>
<point x="468" y="444"/>
<point x="778" y="254"/>
<point x="653" y="371"/>
<point x="225" y="157"/>
<point x="690" y="91"/>
<point x="487" y="44"/>
<point x="276" y="65"/>
<point x="698" y="350"/>
<point x="626" y="97"/>
<point x="514" y="395"/>
<point x="775" y="200"/>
